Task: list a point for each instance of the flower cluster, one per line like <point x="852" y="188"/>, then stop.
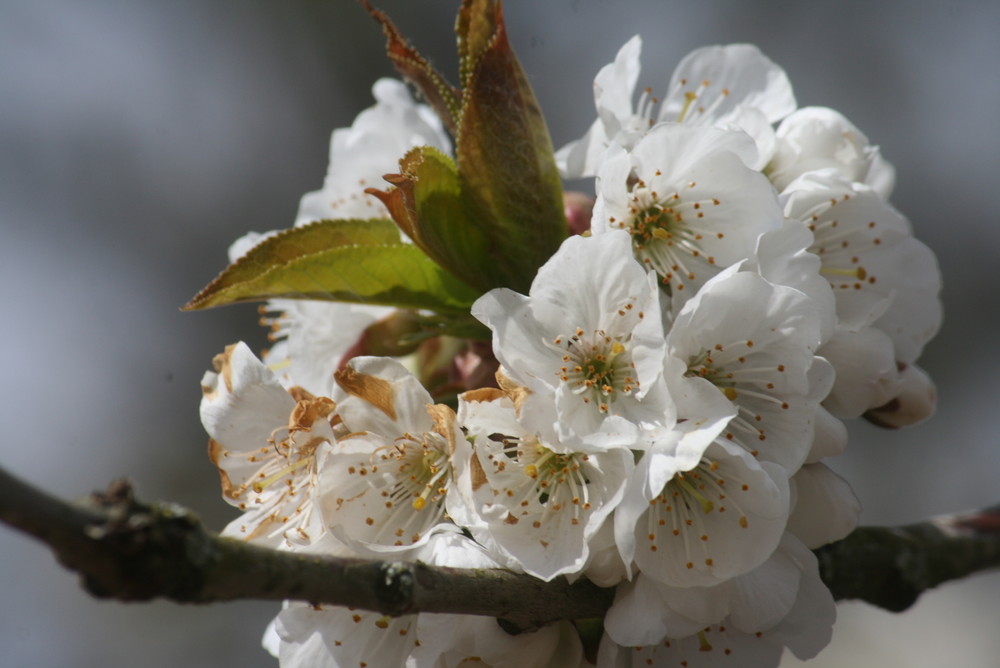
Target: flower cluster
<point x="663" y="395"/>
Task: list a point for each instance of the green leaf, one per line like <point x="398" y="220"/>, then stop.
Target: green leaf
<point x="358" y="261"/>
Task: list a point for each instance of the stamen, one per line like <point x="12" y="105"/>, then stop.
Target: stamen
<point x="689" y="98"/>
<point x="706" y="505"/>
<point x="858" y="272"/>
<point x="260" y="486"/>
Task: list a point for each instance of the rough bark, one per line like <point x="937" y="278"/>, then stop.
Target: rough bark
<point x="131" y="551"/>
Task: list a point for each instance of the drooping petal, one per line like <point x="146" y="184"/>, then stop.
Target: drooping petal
<point x="381" y="396"/>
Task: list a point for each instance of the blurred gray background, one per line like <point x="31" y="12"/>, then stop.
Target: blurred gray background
<point x="139" y="138"/>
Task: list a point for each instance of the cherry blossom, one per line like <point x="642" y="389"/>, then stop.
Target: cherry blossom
<point x="387" y="483"/>
<point x="690" y="204"/>
<point x="816" y="138"/>
<point x="731" y="87"/>
<point x="587" y="342"/>
<point x="881" y="275"/>
<point x="268" y="444"/>
<point x="539" y="502"/>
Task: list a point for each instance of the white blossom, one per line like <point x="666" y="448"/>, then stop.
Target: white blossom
<point x="816" y="138"/>
<point x="706" y="523"/>
<point x="881" y="276"/>
<point x="385" y="487"/>
<point x="268" y="447"/>
<point x="540" y="502"/>
<point x="783" y="603"/>
<point x="756" y="342"/>
<point x="668" y="388"/>
<point x="690" y="204"/>
<point x="731" y="87"/>
<point x="587" y="342"/>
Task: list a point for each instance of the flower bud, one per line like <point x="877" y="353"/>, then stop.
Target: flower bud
<point x="913" y="404"/>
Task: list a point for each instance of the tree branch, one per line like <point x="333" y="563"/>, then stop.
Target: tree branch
<point x="891" y="567"/>
<point x="131" y="551"/>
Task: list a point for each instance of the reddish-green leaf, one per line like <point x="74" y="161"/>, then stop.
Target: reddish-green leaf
<point x="504" y="152"/>
<point x="442" y="96"/>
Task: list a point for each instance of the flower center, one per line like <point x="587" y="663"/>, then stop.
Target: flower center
<point x="556" y="480"/>
<point x="667" y="233"/>
<point x="597" y="367"/>
<point x="704" y="366"/>
<point x="422" y="469"/>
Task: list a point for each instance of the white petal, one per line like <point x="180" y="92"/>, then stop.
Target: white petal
<point x="332" y="637"/>
<point x="880" y="274"/>
<point x="371" y="147"/>
<point x="750" y="78"/>
<point x="866" y="371"/>
<point x="783" y="258"/>
<point x="636" y="616"/>
<point x="244" y="402"/>
<point x="700" y="532"/>
<point x="460" y="640"/>
<point x="755" y="342"/>
<point x="518" y="341"/>
<point x="396" y="401"/>
<point x="825" y="507"/>
<point x="815" y="138"/>
<point x="830" y="436"/>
